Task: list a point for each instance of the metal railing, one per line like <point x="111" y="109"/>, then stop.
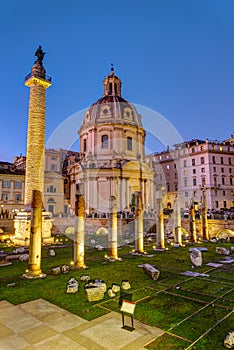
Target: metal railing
<point x="43" y="76"/>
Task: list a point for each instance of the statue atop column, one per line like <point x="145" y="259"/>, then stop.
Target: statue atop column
<point x="39" y="54"/>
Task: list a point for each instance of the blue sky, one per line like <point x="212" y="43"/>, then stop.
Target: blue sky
<point x="173" y="56"/>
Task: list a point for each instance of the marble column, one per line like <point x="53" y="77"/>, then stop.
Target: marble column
<point x="205" y="233"/>
<point x="34" y="262"/>
<point x="192" y="223"/>
<point x="113" y="230"/>
<point x="177" y="222"/>
<point x="159" y="220"/>
<point x="79" y="235"/>
<point x="139" y="233"/>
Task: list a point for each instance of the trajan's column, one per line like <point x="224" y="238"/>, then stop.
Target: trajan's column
<point x="38" y="82"/>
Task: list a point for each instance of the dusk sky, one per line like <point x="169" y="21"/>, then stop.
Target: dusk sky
<point x="175" y="57"/>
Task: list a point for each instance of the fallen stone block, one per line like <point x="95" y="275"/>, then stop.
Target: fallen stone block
<point x="222" y="251"/>
<point x="151" y="271"/>
<point x="72" y="286"/>
<point x="229" y="340"/>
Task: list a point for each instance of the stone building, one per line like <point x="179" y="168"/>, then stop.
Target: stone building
<point x="112" y="146"/>
<point x="56" y="182"/>
<point x="196" y="166"/>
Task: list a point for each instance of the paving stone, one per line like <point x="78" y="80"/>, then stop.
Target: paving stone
<point x="5" y="331"/>
<point x="38" y="334"/>
<point x="66" y="322"/>
<point x="13" y="342"/>
<point x="58" y="342"/>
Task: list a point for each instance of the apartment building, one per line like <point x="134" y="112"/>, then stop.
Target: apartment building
<point x="196" y="166"/>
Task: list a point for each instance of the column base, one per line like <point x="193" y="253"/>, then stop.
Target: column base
<point x="33" y="275"/>
<point x="113" y="259"/>
<point x="159" y="249"/>
<point x="76" y="267"/>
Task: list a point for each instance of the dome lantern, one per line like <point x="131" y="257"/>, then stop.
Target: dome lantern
<point x="112" y="84"/>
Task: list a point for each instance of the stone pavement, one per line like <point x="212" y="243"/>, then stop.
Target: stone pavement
<point x="40" y="325"/>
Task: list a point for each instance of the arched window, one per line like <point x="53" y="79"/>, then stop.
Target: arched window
<point x="85" y="145"/>
<point x="104" y="141"/>
<point x="110" y="89"/>
<point x="129" y="143"/>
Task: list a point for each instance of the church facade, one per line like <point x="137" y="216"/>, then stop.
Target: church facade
<point x="112" y="146"/>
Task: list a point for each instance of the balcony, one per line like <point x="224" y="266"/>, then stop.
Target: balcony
<point x="42" y="76"/>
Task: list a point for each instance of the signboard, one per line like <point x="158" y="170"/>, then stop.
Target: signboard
<point x="128" y="307"/>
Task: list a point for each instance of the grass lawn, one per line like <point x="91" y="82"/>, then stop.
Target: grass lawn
<point x="194" y="312"/>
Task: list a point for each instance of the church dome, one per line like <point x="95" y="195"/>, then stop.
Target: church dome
<point x="112" y="107"/>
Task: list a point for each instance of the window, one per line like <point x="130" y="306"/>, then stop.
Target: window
<point x="230" y="170"/>
<point x="185" y="173"/>
<point x="84" y="145"/>
<point x="194" y="182"/>
<point x="223" y="181"/>
<point x="129" y="143"/>
<point x="53" y="167"/>
<point x="18" y="197"/>
<point x="104" y="141"/>
<point x="202" y="170"/>
<point x="174" y="165"/>
<point x="176" y="186"/>
<point x="231" y="193"/>
<point x="185" y="182"/>
<point x="5" y="196"/>
<point x="194" y="193"/>
<point x="194" y="171"/>
<point x="110" y="89"/>
<point x="201" y="148"/>
<point x="230" y="161"/>
<point x="51" y="189"/>
<point x="193" y="162"/>
<point x="185" y="163"/>
<point x="215" y="181"/>
<point x="214" y="169"/>
<point x="216" y="204"/>
<point x="224" y="193"/>
<point x="230" y="180"/>
<point x="168" y="176"/>
<point x="213" y="159"/>
<point x="168" y="187"/>
<point x="224" y="204"/>
<point x="53" y="158"/>
<point x="202" y="160"/>
<point x="186" y="194"/>
<point x="17" y="184"/>
<point x="6" y="184"/>
<point x="221" y="160"/>
<point x="175" y="175"/>
<point x="168" y="166"/>
<point x="51" y="208"/>
<point x="193" y="150"/>
<point x="203" y="181"/>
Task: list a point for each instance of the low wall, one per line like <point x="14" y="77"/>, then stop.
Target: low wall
<point x="93" y="224"/>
